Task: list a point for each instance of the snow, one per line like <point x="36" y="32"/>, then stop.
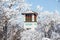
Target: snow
<point x="31" y="35"/>
<point x="28" y="11"/>
<point x="48" y="22"/>
<point x="46" y="39"/>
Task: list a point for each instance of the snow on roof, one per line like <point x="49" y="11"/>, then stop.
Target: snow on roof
<point x="29" y="12"/>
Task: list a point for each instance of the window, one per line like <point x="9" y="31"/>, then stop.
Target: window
<point x="28" y="18"/>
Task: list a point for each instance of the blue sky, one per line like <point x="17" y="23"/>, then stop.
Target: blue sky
<point x="50" y="5"/>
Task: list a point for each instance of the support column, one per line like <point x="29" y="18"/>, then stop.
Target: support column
<point x="33" y="18"/>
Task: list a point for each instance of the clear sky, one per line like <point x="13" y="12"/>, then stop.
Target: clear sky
<point x="50" y="5"/>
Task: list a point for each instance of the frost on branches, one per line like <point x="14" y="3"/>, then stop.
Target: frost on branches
<point x="31" y="35"/>
<point x="47" y="29"/>
<point x="11" y="22"/>
<point x="9" y="19"/>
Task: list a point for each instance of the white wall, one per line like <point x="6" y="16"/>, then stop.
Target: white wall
<point x="31" y="25"/>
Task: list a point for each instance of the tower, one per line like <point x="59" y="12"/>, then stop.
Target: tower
<point x="30" y="20"/>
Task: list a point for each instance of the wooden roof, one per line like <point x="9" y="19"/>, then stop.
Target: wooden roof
<point x="29" y="12"/>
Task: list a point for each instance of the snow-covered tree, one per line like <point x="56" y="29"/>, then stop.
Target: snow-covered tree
<point x="31" y="35"/>
<point x="13" y="10"/>
<point x="11" y="18"/>
<point x="12" y="23"/>
<point x="47" y="23"/>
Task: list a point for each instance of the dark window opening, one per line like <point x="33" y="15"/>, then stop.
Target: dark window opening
<point x="28" y="18"/>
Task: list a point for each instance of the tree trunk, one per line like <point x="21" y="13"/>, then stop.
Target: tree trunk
<point x="5" y="30"/>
